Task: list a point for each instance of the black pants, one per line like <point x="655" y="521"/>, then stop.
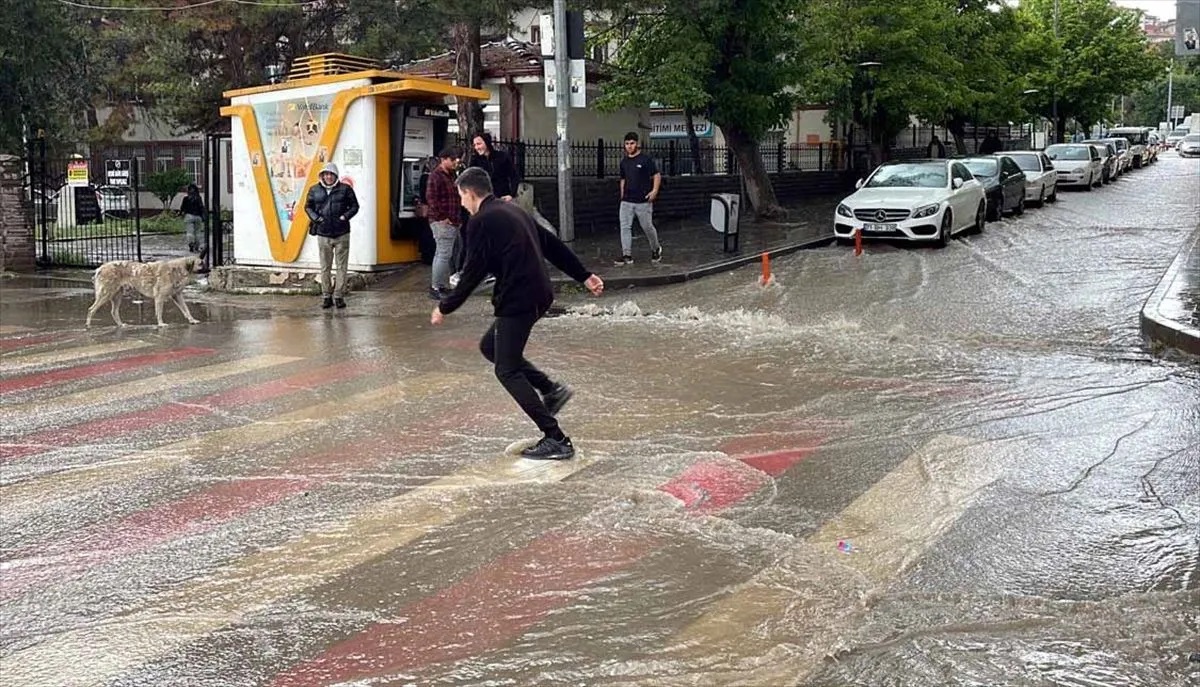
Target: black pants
<point x="504" y="345"/>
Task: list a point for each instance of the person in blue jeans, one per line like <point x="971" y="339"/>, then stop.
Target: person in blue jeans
<point x="444" y="212"/>
<point x="640" y="181"/>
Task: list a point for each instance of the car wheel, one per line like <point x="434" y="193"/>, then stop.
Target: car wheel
<point x="943" y="236"/>
<point x="1053" y="194"/>
<point x="1020" y="209"/>
<point x="980" y="218"/>
<point x="1042" y="196"/>
<point x="1091" y="183"/>
<point x="993" y="209"/>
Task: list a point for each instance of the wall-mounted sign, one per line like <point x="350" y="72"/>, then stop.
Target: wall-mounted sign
<point x="672" y="124"/>
<point x="432" y="111"/>
<point x="1187" y="27"/>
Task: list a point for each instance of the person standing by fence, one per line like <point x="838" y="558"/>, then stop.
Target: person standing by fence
<point x="444" y="212"/>
<point x="640" y="181"/>
<point x="192" y="209"/>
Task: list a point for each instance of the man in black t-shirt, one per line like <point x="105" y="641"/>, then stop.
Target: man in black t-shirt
<point x="639" y="189"/>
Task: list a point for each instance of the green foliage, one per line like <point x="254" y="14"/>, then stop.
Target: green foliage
<point x="1100" y="52"/>
<point x="42" y="82"/>
<point x="165" y="184"/>
<point x="1148" y="103"/>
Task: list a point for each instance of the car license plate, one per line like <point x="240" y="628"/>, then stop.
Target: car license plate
<point x="879" y="227"/>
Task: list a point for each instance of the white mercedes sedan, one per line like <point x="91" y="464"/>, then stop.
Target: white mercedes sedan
<point x="915" y="200"/>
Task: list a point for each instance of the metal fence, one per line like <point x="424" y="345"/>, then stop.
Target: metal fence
<point x="79" y="219"/>
<point x="602" y="158"/>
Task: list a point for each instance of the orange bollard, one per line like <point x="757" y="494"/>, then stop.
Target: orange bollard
<point x="858" y="241"/>
<point x="766" y="269"/>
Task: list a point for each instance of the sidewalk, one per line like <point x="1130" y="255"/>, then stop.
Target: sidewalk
<point x="1171" y="315"/>
<point x="691" y="249"/>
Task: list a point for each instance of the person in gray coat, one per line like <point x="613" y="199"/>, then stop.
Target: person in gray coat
<point x="330" y="206"/>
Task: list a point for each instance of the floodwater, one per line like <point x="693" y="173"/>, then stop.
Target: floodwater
<point x="911" y="467"/>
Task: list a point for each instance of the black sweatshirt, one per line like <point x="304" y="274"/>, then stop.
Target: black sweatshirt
<point x="502" y="239"/>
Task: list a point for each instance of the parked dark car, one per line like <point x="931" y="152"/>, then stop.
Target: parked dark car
<point x="1003" y="183"/>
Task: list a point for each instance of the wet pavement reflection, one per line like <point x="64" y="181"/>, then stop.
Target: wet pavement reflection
<point x="911" y="467"/>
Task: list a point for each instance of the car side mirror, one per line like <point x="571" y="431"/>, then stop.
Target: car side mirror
<point x="858" y="184"/>
<point x="957" y="183"/>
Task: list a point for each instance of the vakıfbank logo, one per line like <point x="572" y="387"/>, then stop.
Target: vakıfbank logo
<point x="1187" y="27"/>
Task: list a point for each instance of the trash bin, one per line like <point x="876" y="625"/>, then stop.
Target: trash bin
<point x="723" y="216"/>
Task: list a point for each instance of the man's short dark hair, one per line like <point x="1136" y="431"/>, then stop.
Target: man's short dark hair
<point x="475" y="180"/>
<point x="449" y="152"/>
<point x="631" y="136"/>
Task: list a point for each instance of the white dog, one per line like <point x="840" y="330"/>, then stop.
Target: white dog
<point x="163" y="281"/>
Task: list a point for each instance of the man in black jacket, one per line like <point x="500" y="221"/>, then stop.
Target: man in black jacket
<point x="502" y="239"/>
<point x="497" y="164"/>
<point x="329" y="207"/>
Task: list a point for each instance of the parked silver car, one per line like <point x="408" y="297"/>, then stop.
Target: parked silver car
<point x="1077" y="164"/>
<point x="1041" y="179"/>
<point x="1189" y="146"/>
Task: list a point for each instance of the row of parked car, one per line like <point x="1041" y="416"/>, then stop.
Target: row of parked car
<point x="931" y="200"/>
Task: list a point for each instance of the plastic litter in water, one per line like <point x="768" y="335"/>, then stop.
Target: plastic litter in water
<point x="845" y="546"/>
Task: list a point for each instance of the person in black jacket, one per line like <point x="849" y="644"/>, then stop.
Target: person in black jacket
<point x="503" y="240"/>
<point x="497" y="163"/>
<point x="330" y="206"/>
<point x="192" y="209"/>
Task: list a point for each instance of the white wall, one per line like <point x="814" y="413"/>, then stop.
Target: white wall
<point x="586" y="124"/>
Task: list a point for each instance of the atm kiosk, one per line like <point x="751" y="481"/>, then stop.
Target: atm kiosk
<point x="381" y="129"/>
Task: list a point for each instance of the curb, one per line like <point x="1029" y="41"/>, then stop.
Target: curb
<point x="701" y="271"/>
<point x="1165" y="330"/>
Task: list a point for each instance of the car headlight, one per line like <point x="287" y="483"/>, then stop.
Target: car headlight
<point x="926" y="210"/>
<point x="1078" y="170"/>
<point x="844" y="210"/>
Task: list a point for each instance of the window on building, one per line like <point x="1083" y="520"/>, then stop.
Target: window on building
<point x="140" y="163"/>
<point x="535" y="34"/>
<point x="600" y="53"/>
<point x="163" y="163"/>
<point x="194" y="168"/>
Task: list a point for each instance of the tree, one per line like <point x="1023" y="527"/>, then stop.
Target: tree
<point x="731" y="60"/>
<point x="165" y="184"/>
<point x="42" y="82"/>
<point x="1099" y="51"/>
<point x="1149" y="100"/>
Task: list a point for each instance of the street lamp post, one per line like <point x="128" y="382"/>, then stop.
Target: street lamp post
<point x="1032" y="122"/>
<point x="1054" y="85"/>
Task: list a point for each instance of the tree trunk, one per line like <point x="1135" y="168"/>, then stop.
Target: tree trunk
<point x="759" y="191"/>
<point x="1059" y="127"/>
<point x="693" y="142"/>
<point x="957" y="126"/>
<point x="468" y="71"/>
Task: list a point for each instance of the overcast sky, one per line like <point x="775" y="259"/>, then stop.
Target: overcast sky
<point x="1163" y="9"/>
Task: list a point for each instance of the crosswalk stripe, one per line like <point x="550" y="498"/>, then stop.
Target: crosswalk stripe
<point x="142" y="387"/>
<point x="100" y="653"/>
<point x="62" y="375"/>
<point x="24" y="498"/>
<point x="12" y="363"/>
<point x="889" y="527"/>
<point x="12" y="329"/>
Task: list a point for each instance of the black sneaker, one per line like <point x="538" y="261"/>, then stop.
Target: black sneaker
<point x="327" y="303"/>
<point x="436" y="294"/>
<point x="550" y="449"/>
<point x="656" y="255"/>
<point x="556" y="399"/>
<point x="339" y="303"/>
<point x="623" y="261"/>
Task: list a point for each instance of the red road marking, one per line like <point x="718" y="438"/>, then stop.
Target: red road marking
<point x="41" y="379"/>
<point x="501" y="600"/>
<point x="212" y="507"/>
<point x="462" y="620"/>
<point x="22" y="342"/>
<point x="21" y="447"/>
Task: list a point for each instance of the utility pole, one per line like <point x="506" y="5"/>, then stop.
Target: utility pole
<point x="1170" y="85"/>
<point x="562" y="107"/>
<point x="1058" y="138"/>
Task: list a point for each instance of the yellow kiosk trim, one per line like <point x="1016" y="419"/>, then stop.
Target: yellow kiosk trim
<point x="288" y="249"/>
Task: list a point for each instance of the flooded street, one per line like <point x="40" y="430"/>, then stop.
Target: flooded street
<point x="912" y="467"/>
